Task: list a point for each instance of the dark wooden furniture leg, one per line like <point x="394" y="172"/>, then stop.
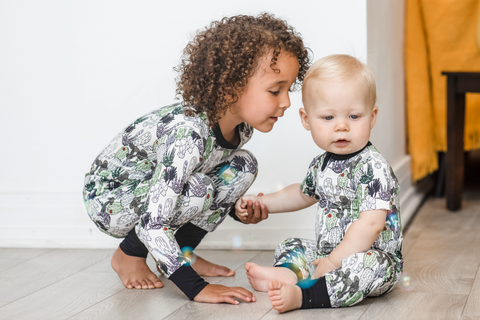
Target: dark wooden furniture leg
<point x="455" y="146"/>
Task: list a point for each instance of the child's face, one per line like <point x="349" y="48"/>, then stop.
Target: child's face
<point x="339" y="114"/>
<point x="266" y="97"/>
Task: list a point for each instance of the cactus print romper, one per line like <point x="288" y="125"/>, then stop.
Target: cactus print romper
<point x="344" y="186"/>
<point x="162" y="171"/>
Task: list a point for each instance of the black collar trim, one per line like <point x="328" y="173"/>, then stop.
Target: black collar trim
<point x="222" y="142"/>
<point x="333" y="156"/>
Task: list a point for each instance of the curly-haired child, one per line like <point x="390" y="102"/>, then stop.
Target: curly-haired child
<point x="175" y="173"/>
<point x="358" y="247"/>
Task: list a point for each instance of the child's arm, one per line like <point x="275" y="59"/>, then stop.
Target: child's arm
<point x="288" y="199"/>
<point x="359" y="237"/>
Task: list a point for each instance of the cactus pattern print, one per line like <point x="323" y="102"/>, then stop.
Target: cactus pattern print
<point x="345" y="186"/>
<point x="162" y="171"/>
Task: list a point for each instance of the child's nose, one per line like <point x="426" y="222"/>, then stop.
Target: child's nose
<point x="285" y="102"/>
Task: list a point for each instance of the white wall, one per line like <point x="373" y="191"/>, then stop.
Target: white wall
<point x="74" y="73"/>
<point x="385" y="40"/>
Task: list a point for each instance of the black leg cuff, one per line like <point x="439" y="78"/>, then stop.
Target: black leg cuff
<point x="189" y="235"/>
<point x="316" y="296"/>
<point x="132" y="246"/>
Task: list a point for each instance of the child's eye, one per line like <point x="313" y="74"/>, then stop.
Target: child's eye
<point x="354" y="116"/>
<point x="275" y="93"/>
<point x="328" y="117"/>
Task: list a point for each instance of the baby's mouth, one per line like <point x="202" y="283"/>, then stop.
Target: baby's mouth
<point x="341" y="142"/>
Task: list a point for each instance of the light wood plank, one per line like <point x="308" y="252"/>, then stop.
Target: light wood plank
<point x="472" y="309"/>
<point x="416" y="305"/>
<point x="12" y="257"/>
<point x="64" y="298"/>
<point x="445" y="260"/>
<point x="137" y="304"/>
<point x="39" y="272"/>
<point x="351" y="313"/>
<point x="157" y="303"/>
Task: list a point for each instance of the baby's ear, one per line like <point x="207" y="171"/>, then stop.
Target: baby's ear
<point x="304" y="118"/>
<point x="374" y="117"/>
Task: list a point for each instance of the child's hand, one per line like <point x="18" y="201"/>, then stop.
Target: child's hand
<point x="250" y="209"/>
<point x="216" y="293"/>
<point x="323" y="266"/>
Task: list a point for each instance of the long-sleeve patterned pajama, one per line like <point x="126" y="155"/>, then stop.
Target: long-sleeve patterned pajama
<point x="162" y="171"/>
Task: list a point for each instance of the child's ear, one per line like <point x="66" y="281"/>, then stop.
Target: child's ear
<point x="228" y="95"/>
<point x="374" y="117"/>
<point x="304" y="118"/>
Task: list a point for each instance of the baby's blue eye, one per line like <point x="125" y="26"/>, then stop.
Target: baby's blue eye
<point x="353" y="116"/>
<point x="328" y="117"/>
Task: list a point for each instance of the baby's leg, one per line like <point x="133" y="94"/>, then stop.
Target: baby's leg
<point x="293" y="259"/>
<point x="259" y="276"/>
<point x="369" y="273"/>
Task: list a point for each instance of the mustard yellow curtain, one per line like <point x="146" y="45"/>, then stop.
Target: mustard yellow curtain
<point x="440" y="36"/>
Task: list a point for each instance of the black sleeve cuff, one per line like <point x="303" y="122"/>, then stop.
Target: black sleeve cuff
<point x="187" y="280"/>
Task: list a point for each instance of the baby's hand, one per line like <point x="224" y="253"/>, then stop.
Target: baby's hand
<point x="250" y="209"/>
<point x="241" y="209"/>
<point x="323" y="266"/>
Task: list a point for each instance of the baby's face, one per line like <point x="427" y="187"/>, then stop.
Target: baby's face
<point x="340" y="115"/>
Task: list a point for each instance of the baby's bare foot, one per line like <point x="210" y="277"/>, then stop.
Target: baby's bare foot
<point x="284" y="297"/>
<point x="208" y="269"/>
<point x="260" y="276"/>
<point x="134" y="272"/>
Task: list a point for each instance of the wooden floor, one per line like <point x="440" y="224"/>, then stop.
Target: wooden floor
<point x="442" y="259"/>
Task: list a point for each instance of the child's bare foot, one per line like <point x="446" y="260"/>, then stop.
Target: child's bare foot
<point x="284" y="296"/>
<point x="208" y="269"/>
<point x="134" y="272"/>
<point x="260" y="276"/>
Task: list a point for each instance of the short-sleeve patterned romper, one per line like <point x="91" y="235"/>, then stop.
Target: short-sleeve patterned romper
<point x="345" y="186"/>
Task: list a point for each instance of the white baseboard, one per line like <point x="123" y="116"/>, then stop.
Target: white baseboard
<point x="59" y="221"/>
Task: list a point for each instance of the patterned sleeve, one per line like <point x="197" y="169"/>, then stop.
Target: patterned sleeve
<point x="377" y="185"/>
<point x="308" y="185"/>
<point x="177" y="155"/>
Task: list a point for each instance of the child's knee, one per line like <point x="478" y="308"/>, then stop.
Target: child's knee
<point x="243" y="160"/>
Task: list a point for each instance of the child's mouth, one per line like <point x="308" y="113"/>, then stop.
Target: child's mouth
<point x="274" y="119"/>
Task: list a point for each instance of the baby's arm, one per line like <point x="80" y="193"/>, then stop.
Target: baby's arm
<point x="288" y="199"/>
<point x="359" y="237"/>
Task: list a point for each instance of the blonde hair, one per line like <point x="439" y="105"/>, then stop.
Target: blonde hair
<point x="341" y="67"/>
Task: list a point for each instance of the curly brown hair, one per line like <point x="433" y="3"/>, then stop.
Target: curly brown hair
<point x="221" y="59"/>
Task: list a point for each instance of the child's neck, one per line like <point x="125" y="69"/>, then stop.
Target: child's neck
<point x="227" y="126"/>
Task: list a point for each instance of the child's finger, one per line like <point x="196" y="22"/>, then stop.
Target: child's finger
<point x="264" y="212"/>
<point x="257" y="214"/>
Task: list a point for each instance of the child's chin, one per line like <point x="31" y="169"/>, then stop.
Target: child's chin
<point x="264" y="129"/>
